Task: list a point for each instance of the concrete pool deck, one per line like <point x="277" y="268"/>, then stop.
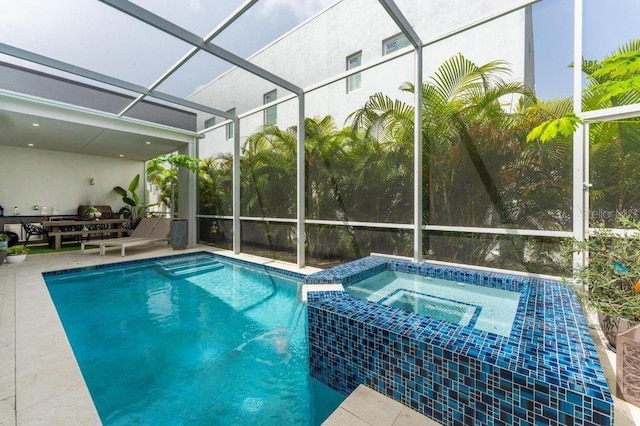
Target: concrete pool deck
<point x="41" y="383"/>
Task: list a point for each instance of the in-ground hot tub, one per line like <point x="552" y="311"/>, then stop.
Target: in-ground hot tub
<point x="480" y="307"/>
<point x="544" y="370"/>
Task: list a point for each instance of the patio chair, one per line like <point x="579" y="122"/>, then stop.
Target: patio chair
<point x="143" y="230"/>
<point x="159" y="233"/>
<point x="31" y="229"/>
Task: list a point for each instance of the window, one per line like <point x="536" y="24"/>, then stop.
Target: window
<point x="210" y="122"/>
<point x="394" y="43"/>
<point x="354" y="82"/>
<point x="271" y="113"/>
<point x="230" y="125"/>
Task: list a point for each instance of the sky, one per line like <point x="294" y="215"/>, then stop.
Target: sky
<point x="92" y="35"/>
<point x="607" y="25"/>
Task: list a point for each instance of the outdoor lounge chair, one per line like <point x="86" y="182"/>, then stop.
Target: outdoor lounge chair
<point x="159" y="232"/>
<point x="143" y="230"/>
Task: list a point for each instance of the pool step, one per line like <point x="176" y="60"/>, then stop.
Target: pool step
<point x="91" y="273"/>
<point x="179" y="271"/>
<point x="179" y="261"/>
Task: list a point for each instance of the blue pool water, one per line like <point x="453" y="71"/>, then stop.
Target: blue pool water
<point x="191" y="340"/>
<point x="480" y="307"/>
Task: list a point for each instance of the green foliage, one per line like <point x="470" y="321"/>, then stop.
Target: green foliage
<point x="616" y="78"/>
<point x="609" y="279"/>
<point x="480" y="169"/>
<point x="4" y="237"/>
<point x="620" y="66"/>
<point x="552" y="129"/>
<point x="163" y="172"/>
<point x="613" y="81"/>
<point x="90" y="211"/>
<point x="133" y="210"/>
<point x="17" y="250"/>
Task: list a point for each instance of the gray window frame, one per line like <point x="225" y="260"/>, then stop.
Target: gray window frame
<point x="354" y="81"/>
<point x="270" y="114"/>
<point x="229" y="130"/>
<point x="396" y="38"/>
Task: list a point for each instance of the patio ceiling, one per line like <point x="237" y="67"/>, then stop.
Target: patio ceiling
<point x="51" y="134"/>
<point x="134" y="70"/>
<point x="144" y="50"/>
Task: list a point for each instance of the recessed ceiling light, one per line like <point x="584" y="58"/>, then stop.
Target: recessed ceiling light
<point x="35" y="125"/>
<point x="30" y="144"/>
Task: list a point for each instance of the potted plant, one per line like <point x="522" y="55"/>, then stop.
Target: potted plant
<point x="4" y="245"/>
<point x="133" y="210"/>
<point x="16" y="254"/>
<point x="610" y="281"/>
<point x="92" y="212"/>
<point x="4" y="241"/>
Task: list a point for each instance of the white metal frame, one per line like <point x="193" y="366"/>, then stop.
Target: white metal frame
<point x="417" y="225"/>
<point x="580" y="150"/>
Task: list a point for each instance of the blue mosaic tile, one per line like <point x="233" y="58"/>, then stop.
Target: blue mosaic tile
<point x="546" y="372"/>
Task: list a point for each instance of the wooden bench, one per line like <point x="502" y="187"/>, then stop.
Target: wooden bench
<point x="59" y="234"/>
<point x="58" y="229"/>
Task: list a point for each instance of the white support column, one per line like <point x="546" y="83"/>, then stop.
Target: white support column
<point x="417" y="160"/>
<point x="236" y="186"/>
<point x="580" y="173"/>
<point x="401" y="21"/>
<point x="300" y="217"/>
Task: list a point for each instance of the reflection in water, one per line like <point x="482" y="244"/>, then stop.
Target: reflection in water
<point x="269" y="348"/>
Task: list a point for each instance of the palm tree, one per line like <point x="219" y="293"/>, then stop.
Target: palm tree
<point x="268" y="179"/>
<point x="214" y="185"/>
<point x="614" y="146"/>
<point x="163" y="171"/>
<point x="214" y="195"/>
<point x="478" y="168"/>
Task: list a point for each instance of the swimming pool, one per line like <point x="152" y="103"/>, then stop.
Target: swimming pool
<point x="546" y="371"/>
<point x="466" y="304"/>
<point x="191" y="339"/>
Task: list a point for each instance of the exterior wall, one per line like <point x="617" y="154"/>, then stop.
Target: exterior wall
<point x="318" y="48"/>
<point x="51" y="178"/>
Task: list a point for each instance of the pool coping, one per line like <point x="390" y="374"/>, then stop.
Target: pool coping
<point x="40" y="380"/>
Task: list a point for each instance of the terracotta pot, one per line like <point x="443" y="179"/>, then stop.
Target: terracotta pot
<point x="611" y="326"/>
<point x="628" y="365"/>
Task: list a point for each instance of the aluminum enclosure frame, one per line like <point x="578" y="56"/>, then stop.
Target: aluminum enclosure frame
<point x="580" y="157"/>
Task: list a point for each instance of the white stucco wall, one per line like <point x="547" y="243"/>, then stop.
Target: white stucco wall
<point x="30" y="177"/>
<point x="318" y="48"/>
